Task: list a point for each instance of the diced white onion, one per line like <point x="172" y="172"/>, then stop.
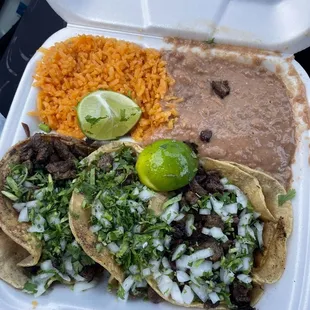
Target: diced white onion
<point x="156" y="275"/>
<point x="134" y="269"/>
<point x="127" y="284"/>
<point x="165" y="285"/>
<point x="71" y="272"/>
<point x="182" y="262"/>
<point x="226" y="276"/>
<point x="158" y="244"/>
<point x="38" y="226"/>
<point x="244" y="278"/>
<point x="135" y="192"/>
<point x="170" y="213"/>
<point x="182" y="276"/>
<point x="200" y="291"/>
<point x="46" y="237"/>
<point x="214" y="297"/>
<point x="137" y="229"/>
<point x="224" y="181"/>
<point x="189" y="224"/>
<point x="154" y="265"/>
<point x="113" y="247"/>
<point x="54" y="220"/>
<point x="95" y="228"/>
<point x="251" y="232"/>
<point x="83" y="286"/>
<point x="28" y="184"/>
<point x="204" y="211"/>
<point x="23" y="215"/>
<point x="204" y="267"/>
<point x="47" y="266"/>
<point x="63" y="244"/>
<point x="179" y="217"/>
<point x="218" y="206"/>
<point x="246" y="263"/>
<point x="259" y="232"/>
<point x="142" y="283"/>
<point x="146" y="272"/>
<point x="146" y="194"/>
<point x="201" y="254"/>
<point x="256" y="215"/>
<point x="31" y="204"/>
<point x="245" y="219"/>
<point x="231" y="208"/>
<point x="179" y="251"/>
<point x="176" y="293"/>
<point x="165" y="262"/>
<point x="167" y="241"/>
<point x="216" y="265"/>
<point x="18" y="206"/>
<point x="215" y="232"/>
<point x="187" y="295"/>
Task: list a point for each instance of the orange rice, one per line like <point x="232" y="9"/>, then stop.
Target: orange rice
<point x="71" y="69"/>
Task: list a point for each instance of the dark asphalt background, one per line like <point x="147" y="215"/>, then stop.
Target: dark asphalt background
<point x="37" y="24"/>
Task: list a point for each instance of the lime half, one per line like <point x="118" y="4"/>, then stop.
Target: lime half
<point x="167" y="165"/>
<point x="107" y="115"/>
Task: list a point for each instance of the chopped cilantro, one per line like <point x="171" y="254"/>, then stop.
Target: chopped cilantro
<point x="288" y="196"/>
<point x="30" y="287"/>
<point x="93" y="120"/>
<point x="210" y="41"/>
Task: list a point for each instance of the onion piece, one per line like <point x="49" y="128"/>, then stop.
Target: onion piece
<point x="146" y="194"/>
<point x="165" y="262"/>
<point x="246" y="263"/>
<point x="165" y="285"/>
<point x="259" y="232"/>
<point x="204" y="211"/>
<point x="95" y="228"/>
<point x="127" y="284"/>
<point x="204" y="267"/>
<point x="38" y="225"/>
<point x="170" y="213"/>
<point x="23" y="215"/>
<point x="224" y="181"/>
<point x="226" y="276"/>
<point x="187" y="295"/>
<point x="182" y="276"/>
<point x="179" y="251"/>
<point x="32" y="204"/>
<point x="200" y="291"/>
<point x="113" y="247"/>
<point x="201" y="254"/>
<point x="176" y="293"/>
<point x="167" y="241"/>
<point x="182" y="262"/>
<point x="154" y="265"/>
<point x="146" y="272"/>
<point x="83" y="286"/>
<point x="189" y="224"/>
<point x="18" y="206"/>
<point x="133" y="269"/>
<point x="214" y="297"/>
<point x="244" y="278"/>
<point x="216" y="265"/>
<point x="179" y="217"/>
<point x="231" y="208"/>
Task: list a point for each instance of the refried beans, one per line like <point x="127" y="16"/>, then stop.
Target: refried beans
<point x="252" y="125"/>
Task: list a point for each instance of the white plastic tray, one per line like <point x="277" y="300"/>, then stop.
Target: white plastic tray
<point x="292" y="292"/>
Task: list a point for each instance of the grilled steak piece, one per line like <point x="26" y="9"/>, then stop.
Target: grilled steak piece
<point x="210" y="305"/>
<point x="79" y="151"/>
<point x="153" y="296"/>
<point x="196" y="188"/>
<point x="221" y="88"/>
<point x="212" y="220"/>
<point x="42" y="148"/>
<point x="62" y="170"/>
<point x="90" y="271"/>
<point x="62" y="150"/>
<point x="212" y="183"/>
<point x="215" y="246"/>
<point x="105" y="162"/>
<point x="240" y="295"/>
<point x="191" y="198"/>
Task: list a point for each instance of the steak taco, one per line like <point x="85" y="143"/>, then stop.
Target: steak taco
<point x="213" y="243"/>
<point x="37" y="246"/>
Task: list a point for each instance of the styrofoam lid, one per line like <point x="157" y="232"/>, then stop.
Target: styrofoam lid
<point x="282" y="25"/>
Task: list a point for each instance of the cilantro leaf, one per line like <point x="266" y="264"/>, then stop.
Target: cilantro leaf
<point x="93" y="120"/>
<point x="289" y="196"/>
<point x="210" y="41"/>
<point x="121" y="293"/>
<point x="30" y="288"/>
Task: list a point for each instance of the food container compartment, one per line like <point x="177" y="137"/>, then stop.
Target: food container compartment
<point x="142" y="23"/>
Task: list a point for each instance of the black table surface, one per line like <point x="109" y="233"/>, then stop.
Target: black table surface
<point x="19" y="45"/>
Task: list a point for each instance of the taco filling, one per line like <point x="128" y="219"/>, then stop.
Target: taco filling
<point x="197" y="248"/>
<point x="40" y="188"/>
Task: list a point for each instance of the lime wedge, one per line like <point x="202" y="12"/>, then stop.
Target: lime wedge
<point x="106" y="115"/>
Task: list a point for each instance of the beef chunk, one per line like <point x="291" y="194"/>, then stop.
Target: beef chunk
<point x="80" y="151"/>
<point x="26" y="129"/>
<point x="54" y="158"/>
<point x="90" y="271"/>
<point x="215" y="246"/>
<point x="62" y="170"/>
<point x="26" y="153"/>
<point x="197" y="236"/>
<point x="226" y="245"/>
<point x="205" y="135"/>
<point x="196" y="188"/>
<point x="105" y="162"/>
<point x="210" y="305"/>
<point x="212" y="220"/>
<point x="43" y="149"/>
<point x="153" y="296"/>
<point x="179" y="229"/>
<point x="191" y="198"/>
<point x="62" y="150"/>
<point x="221" y="88"/>
<point x="212" y="183"/>
<point x="240" y="295"/>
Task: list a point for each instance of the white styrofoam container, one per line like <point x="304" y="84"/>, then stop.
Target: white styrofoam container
<point x="144" y="23"/>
